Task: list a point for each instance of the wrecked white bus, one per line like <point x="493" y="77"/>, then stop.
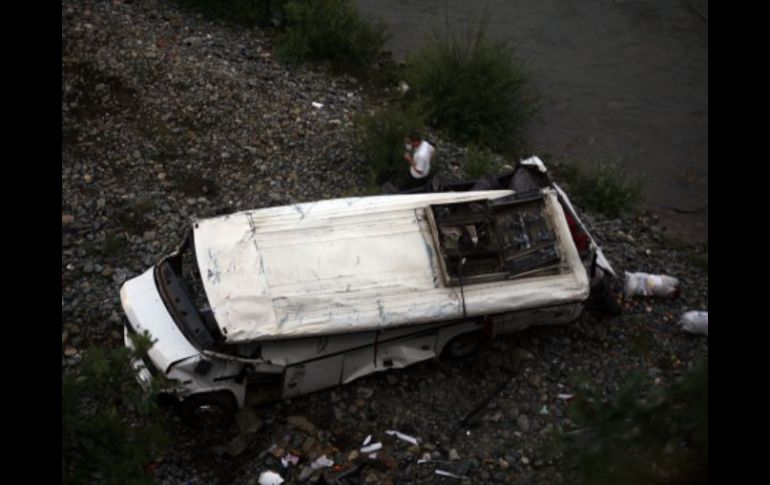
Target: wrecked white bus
<point x="278" y="302"/>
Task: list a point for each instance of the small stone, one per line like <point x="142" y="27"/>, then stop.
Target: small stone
<point x="523" y="422"/>
<point x="301" y="422"/>
<point x="453" y="455"/>
<point x="192" y="40"/>
<point x="278" y="452"/>
<point x="525" y="460"/>
<point x="308" y="444"/>
<point x="100" y="203"/>
<point x="521" y="354"/>
<point x="503" y="464"/>
<point x="365" y="392"/>
<point x="426" y="456"/>
<point x="248" y="421"/>
<point x="67" y="219"/>
<point x="108" y="272"/>
<point x="305" y="473"/>
<point x="88" y="267"/>
<point x="70" y="352"/>
<point x="64" y="336"/>
<point x="353" y="455"/>
<point x="392" y="379"/>
<point x="162" y="176"/>
<point x="149" y="235"/>
<point x="534" y="381"/>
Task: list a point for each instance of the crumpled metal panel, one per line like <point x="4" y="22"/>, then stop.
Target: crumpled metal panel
<point x="349" y="265"/>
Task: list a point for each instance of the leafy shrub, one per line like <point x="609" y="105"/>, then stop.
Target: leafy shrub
<point x="480" y="161"/>
<point x="381" y="137"/>
<point x="642" y="435"/>
<point x="333" y="31"/>
<point x="473" y="88"/>
<point x="97" y="402"/>
<point x="606" y="186"/>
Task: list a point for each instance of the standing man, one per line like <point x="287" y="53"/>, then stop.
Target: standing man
<point x="419" y="160"/>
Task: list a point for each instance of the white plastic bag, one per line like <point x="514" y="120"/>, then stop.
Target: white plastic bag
<point x="695" y="322"/>
<point x="643" y="284"/>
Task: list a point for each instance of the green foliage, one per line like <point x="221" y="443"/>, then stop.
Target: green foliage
<point x="332" y="31"/>
<point x="642" y="435"/>
<point x="480" y="161"/>
<point x="381" y="138"/>
<point x="606" y="187"/>
<point x="473" y="88"/>
<point x="97" y="403"/>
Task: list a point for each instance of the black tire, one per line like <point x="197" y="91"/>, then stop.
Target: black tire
<point x="463" y="345"/>
<point x="212" y="409"/>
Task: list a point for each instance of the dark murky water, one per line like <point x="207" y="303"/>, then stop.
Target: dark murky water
<point x="620" y="79"/>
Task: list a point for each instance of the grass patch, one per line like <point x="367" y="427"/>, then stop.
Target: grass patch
<point x="642" y="434"/>
<point x="380" y="137"/>
<point x="330" y="31"/>
<point x="473" y="88"/>
<point x="111" y="428"/>
<point x="605" y="187"/>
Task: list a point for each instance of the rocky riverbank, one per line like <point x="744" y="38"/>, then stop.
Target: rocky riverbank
<point x="168" y="117"/>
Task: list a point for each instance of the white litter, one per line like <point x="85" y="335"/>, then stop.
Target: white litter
<point x="446" y="474"/>
<point x="289" y="458"/>
<point x="695" y="322"/>
<point x="372" y="456"/>
<point x="372" y="447"/>
<point x="270" y="478"/>
<point x="367" y="440"/>
<point x="644" y="284"/>
<point x="322" y="462"/>
<point x="402" y="436"/>
<point x="566" y="397"/>
<point x="317" y="105"/>
<point x="544" y="409"/>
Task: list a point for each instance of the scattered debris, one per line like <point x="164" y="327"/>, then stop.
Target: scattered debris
<point x="696" y="322"/>
<point x="322" y="462"/>
<point x="565" y="397"/>
<point x="372" y="447"/>
<point x="317" y="105"/>
<point x="402" y="436"/>
<point x="644" y="284"/>
<point x="289" y="459"/>
<point x="367" y="440"/>
<point x="270" y="478"/>
<point x="446" y="474"/>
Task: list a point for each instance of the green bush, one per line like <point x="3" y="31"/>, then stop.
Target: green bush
<point x="331" y="31"/>
<point x="606" y="186"/>
<point x="381" y="137"/>
<point x="642" y="434"/>
<point x="480" y="161"/>
<point x="473" y="88"/>
<point x="97" y="403"/>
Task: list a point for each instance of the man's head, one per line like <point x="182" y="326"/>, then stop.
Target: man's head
<point x="414" y="139"/>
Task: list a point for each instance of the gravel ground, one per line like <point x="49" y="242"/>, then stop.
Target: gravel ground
<point x="168" y="117"/>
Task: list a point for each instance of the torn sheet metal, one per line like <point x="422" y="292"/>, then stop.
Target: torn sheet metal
<point x="354" y="264"/>
<point x="601" y="260"/>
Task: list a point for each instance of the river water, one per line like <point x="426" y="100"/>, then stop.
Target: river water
<point x="620" y="79"/>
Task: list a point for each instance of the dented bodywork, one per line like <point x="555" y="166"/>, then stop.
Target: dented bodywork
<point x="283" y="301"/>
